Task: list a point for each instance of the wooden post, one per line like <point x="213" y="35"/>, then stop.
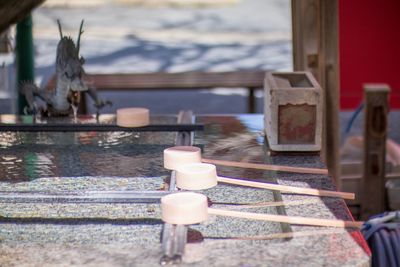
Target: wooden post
<point x="374" y="198"/>
<point x="24" y="59"/>
<point x="315" y="49"/>
<point x="82" y="109"/>
<point x="251" y="104"/>
<point x="306" y="27"/>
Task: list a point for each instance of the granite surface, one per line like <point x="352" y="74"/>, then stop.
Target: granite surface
<point x="129" y="234"/>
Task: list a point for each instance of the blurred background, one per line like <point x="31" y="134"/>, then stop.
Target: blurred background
<point x="131" y="36"/>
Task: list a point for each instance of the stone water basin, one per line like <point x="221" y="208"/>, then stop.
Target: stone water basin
<point x="56" y="162"/>
<point x="129" y="234"/>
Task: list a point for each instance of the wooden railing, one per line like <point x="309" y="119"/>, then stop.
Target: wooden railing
<point x="251" y="80"/>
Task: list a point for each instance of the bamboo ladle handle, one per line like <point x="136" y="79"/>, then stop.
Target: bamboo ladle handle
<point x="267" y="167"/>
<point x="176" y="156"/>
<point x="286" y="219"/>
<point x="285" y="188"/>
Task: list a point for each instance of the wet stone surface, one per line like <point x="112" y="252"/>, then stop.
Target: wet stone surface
<point x="25" y="156"/>
<point x="129" y="234"/>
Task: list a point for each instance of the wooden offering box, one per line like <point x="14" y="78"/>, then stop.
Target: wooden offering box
<point x="293" y="111"/>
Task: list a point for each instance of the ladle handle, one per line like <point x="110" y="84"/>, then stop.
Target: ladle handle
<point x="285" y="188"/>
<point x="265" y="166"/>
<point x="286" y="219"/>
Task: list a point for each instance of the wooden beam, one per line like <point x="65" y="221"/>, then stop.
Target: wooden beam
<point x="315" y="48"/>
<point x="329" y="71"/>
<point x="182" y="80"/>
<point x="251" y="80"/>
<point x="12" y="11"/>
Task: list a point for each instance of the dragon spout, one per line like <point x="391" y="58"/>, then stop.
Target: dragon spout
<point x="70" y="84"/>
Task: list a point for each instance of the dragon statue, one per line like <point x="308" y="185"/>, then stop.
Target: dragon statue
<point x="70" y="84"/>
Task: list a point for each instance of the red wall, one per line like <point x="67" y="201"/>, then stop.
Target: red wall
<point x="369" y="48"/>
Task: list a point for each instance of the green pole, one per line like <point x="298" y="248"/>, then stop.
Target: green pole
<point x="24" y="58"/>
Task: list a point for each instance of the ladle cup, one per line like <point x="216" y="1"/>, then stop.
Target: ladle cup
<point x="133" y="117"/>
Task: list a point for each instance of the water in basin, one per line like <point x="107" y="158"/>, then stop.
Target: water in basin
<point x="26" y="156"/>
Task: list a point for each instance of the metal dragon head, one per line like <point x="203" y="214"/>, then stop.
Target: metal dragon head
<point x="69" y="65"/>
